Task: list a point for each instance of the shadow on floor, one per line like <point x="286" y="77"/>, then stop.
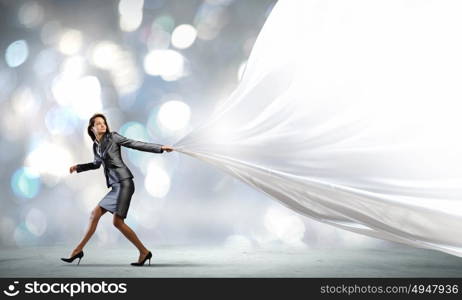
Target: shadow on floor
<point x="146" y="265"/>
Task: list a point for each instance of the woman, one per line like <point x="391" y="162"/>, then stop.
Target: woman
<point x="106" y="150"/>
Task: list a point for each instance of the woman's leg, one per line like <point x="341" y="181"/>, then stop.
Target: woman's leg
<point x="96" y="214"/>
<point x="118" y="222"/>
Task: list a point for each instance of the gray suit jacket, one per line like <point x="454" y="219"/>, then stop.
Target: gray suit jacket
<point x="107" y="152"/>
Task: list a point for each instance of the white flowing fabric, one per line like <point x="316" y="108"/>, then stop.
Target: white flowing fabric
<point x="349" y="112"/>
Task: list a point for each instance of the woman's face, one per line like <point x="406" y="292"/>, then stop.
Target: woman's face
<point x="99" y="126"/>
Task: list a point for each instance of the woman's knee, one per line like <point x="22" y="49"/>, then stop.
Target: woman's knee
<point x="96" y="213"/>
<point x="117" y="221"/>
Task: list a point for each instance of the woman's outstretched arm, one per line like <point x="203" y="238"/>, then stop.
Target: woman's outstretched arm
<point x="142" y="146"/>
<point x="88" y="166"/>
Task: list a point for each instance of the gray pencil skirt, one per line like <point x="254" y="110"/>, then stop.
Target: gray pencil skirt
<point x="118" y="199"/>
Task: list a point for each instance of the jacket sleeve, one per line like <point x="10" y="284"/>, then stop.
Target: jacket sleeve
<point x="89" y="166"/>
<point x="142" y="146"/>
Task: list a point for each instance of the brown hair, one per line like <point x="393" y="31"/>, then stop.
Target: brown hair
<point x="91" y="123"/>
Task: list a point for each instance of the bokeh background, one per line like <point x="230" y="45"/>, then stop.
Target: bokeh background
<point x="156" y="68"/>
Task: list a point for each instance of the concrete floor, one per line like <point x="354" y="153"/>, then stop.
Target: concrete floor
<point x="189" y="261"/>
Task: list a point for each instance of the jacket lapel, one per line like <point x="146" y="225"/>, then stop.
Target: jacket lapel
<point x="104" y="144"/>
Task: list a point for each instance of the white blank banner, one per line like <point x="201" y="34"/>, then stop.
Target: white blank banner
<point x="349" y="112"/>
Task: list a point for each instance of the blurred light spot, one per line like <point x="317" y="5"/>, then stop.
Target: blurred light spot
<point x="61" y="120"/>
<point x="70" y="42"/>
<point x="241" y="70"/>
<point x="285" y="225"/>
<point x="30" y="14"/>
<point x="131" y="22"/>
<point x="174" y="114"/>
<point x="131" y="14"/>
<point x="50" y="33"/>
<point x="128" y="6"/>
<point x="25" y="183"/>
<point x="73" y="67"/>
<point x="16" y="53"/>
<point x="168" y="64"/>
<point x="120" y="63"/>
<point x="61" y="89"/>
<point x="36" y="222"/>
<point x="88" y="98"/>
<point x="82" y="95"/>
<point x="46" y="62"/>
<point x="24" y="102"/>
<point x="157" y="181"/>
<point x="125" y="74"/>
<point x="134" y="130"/>
<point x="184" y="36"/>
<point x="105" y="54"/>
<point x="49" y="159"/>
